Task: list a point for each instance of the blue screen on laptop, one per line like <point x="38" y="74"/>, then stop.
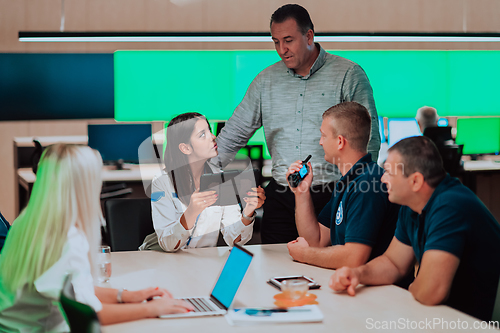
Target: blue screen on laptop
<point x="231" y="276"/>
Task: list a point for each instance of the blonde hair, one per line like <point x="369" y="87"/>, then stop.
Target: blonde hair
<point x="65" y="194"/>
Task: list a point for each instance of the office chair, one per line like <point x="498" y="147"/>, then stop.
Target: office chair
<point x="438" y="135"/>
<point x="35" y="156"/>
<point x="80" y="317"/>
<point x="452" y="159"/>
<point x="4" y="229"/>
<point x="496" y="309"/>
<point x="128" y="222"/>
<point x="115" y="191"/>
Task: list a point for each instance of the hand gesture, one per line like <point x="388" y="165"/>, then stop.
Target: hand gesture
<point x="201" y="200"/>
<point x="305" y="184"/>
<point x="297" y="247"/>
<point x="345" y="278"/>
<point x="255" y="200"/>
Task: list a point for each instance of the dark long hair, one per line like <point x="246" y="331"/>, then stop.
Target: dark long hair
<point x="179" y="131"/>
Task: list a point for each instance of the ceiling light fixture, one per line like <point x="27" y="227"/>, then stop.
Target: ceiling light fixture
<point x="32" y="36"/>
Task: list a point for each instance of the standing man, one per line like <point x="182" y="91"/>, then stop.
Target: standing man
<point x="450" y="232"/>
<point x="359" y="221"/>
<point x="288" y="99"/>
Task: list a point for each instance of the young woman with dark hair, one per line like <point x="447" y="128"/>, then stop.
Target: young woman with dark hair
<point x="184" y="217"/>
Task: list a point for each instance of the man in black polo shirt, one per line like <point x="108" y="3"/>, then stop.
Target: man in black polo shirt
<point x="445" y="226"/>
<point x="359" y="221"/>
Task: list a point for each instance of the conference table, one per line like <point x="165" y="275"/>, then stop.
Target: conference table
<point x="193" y="272"/>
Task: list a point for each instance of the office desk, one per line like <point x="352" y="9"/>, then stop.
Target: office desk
<point x="138" y="178"/>
<point x="482" y="165"/>
<point x="483" y="178"/>
<point x="193" y="273"/>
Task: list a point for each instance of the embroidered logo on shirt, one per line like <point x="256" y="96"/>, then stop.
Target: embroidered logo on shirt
<point x="156" y="196"/>
<point x="340" y="214"/>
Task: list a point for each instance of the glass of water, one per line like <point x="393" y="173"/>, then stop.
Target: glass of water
<point x="104" y="261"/>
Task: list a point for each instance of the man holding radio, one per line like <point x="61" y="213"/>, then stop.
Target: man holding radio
<point x="359" y="221"/>
<point x="287" y="99"/>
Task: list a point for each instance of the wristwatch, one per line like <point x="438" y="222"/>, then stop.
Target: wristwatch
<point x="249" y="218"/>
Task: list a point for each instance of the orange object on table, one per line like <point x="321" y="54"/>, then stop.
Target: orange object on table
<point x="283" y="301"/>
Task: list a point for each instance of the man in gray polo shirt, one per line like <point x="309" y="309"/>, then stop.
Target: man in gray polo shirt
<point x="288" y="99"/>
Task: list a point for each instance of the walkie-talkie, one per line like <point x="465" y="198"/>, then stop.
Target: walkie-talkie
<point x="295" y="178"/>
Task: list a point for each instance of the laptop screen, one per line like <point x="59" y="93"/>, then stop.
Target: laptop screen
<point x="231" y="276"/>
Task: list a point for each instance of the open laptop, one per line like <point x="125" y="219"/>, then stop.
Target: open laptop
<point x="225" y="288"/>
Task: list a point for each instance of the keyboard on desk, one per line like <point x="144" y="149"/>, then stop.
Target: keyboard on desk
<point x="200" y="304"/>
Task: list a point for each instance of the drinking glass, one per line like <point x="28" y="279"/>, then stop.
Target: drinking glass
<point x="104" y="262"/>
<point x="294" y="289"/>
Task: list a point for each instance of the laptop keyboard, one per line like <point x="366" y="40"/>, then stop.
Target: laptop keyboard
<point x="200" y="304"/>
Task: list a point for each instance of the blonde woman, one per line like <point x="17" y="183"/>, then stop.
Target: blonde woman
<point x="57" y="234"/>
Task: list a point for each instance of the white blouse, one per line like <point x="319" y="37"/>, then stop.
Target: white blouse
<point x="38" y="310"/>
<point x="167" y="210"/>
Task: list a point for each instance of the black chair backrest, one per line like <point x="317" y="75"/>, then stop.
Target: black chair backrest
<point x="439" y="135"/>
<point x="496" y="308"/>
<point x="452" y="158"/>
<point x="128" y="222"/>
<point x="81" y="318"/>
<point x="36" y="155"/>
<point x="4" y="229"/>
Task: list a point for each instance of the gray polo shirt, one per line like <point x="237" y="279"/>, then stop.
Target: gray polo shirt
<point x="290" y="107"/>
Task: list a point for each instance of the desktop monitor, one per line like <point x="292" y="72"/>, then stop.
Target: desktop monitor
<point x="442" y="122"/>
<point x="479" y="135"/>
<point x="119" y="143"/>
<point x="401" y="128"/>
<point x="381" y="129"/>
<point x="42" y="86"/>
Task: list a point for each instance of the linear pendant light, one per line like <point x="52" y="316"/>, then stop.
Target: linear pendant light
<point x="36" y="36"/>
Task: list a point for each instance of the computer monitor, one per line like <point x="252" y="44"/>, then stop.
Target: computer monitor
<point x="401" y="128"/>
<point x="479" y="135"/>
<point x="381" y="129"/>
<point x="40" y="86"/>
<point x="119" y="143"/>
<point x="442" y="122"/>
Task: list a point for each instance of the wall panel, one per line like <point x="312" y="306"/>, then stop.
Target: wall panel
<point x="241" y="15"/>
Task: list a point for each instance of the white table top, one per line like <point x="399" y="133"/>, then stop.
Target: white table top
<point x="482" y="165"/>
<point x="193" y="273"/>
<point x="27" y="141"/>
<point x="136" y="173"/>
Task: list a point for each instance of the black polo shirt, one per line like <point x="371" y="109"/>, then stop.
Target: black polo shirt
<point x="359" y="210"/>
<point x="456" y="221"/>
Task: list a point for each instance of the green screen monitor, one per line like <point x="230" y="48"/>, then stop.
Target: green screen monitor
<point x="479" y="135"/>
<point x="157" y="85"/>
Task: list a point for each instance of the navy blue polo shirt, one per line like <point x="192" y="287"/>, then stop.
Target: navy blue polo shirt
<point x="456" y="221"/>
<point x="359" y="210"/>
